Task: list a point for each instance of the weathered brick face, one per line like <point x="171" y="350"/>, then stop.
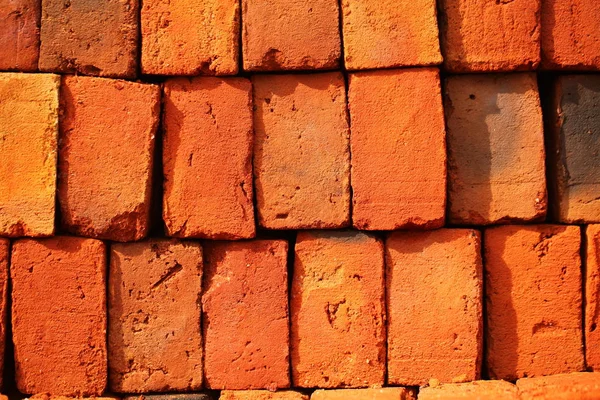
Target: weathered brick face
<point x="592" y="297"/>
<point x="19" y="35"/>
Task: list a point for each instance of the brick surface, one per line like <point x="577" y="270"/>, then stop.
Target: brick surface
<point x="207" y="158"/>
<point x="301" y="152"/>
<point x="46" y="396"/>
<point x="4" y="257"/>
<point x="495" y="149"/>
<point x="284" y="35"/>
<point x="106" y="155"/>
<point x="92" y="37"/>
<point x="398" y="158"/>
<point x="570" y="34"/>
<point x="478" y="390"/>
<point x="172" y="396"/>
<point x="337" y="310"/>
<point x="365" y="394"/>
<point x="154" y="338"/>
<point x="389" y="33"/>
<point x="19" y="35"/>
<point x="533" y="295"/>
<point x="28" y="120"/>
<point x="261" y="395"/>
<point x="592" y="297"/>
<point x="245" y="315"/>
<point x="434" y="300"/>
<point x="180" y="37"/>
<point x="485" y="36"/>
<point x="59" y="315"/>
<point x="574" y="124"/>
<point x="574" y="386"/>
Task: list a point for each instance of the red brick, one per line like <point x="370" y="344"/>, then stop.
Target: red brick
<point x="106" y="155"/>
<point x="398" y="158"/>
<point x="262" y="395"/>
<point x="173" y="396"/>
<point x="389" y="33"/>
<point x="485" y="36"/>
<point x="19" y="35"/>
<point x="180" y="37"/>
<point x="478" y="390"/>
<point x="46" y="396"/>
<point x="592" y="298"/>
<point x="59" y="315"/>
<point x="29" y="120"/>
<point x="93" y="37"/>
<point x="4" y="256"/>
<point x="207" y="158"/>
<point x="245" y="315"/>
<point x="496" y="153"/>
<point x="284" y="35"/>
<point x="434" y="299"/>
<point x="337" y="310"/>
<point x="570" y="34"/>
<point x="154" y="338"/>
<point x="301" y="152"/>
<point x="533" y="295"/>
<point x="365" y="394"/>
<point x="574" y="386"/>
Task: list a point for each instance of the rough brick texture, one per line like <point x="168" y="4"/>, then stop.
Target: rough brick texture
<point x="495" y="149"/>
<point x="574" y="133"/>
<point x="434" y="300"/>
<point x="365" y="394"/>
<point x="173" y="396"/>
<point x="180" y="37"/>
<point x="574" y="386"/>
<point x="592" y="298"/>
<point x="533" y="295"/>
<point x="301" y="152"/>
<point x="28" y="140"/>
<point x="154" y="338"/>
<point x="290" y="35"/>
<point x="46" y="396"/>
<point x="338" y="310"/>
<point x="93" y="37"/>
<point x="59" y="315"/>
<point x="245" y="315"/>
<point x="261" y="395"/>
<point x="4" y="257"/>
<point x="485" y="36"/>
<point x="398" y="149"/>
<point x="207" y="158"/>
<point x="19" y="35"/>
<point x="477" y="390"/>
<point x="105" y="156"/>
<point x="389" y="33"/>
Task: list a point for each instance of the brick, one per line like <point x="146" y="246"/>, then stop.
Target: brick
<point x="46" y="396"/>
<point x="496" y="153"/>
<point x="434" y="300"/>
<point x="207" y="158"/>
<point x="106" y="155"/>
<point x="533" y="296"/>
<point x="261" y="395"/>
<point x="397" y="393"/>
<point x="574" y="386"/>
<point x="172" y="396"/>
<point x="389" y="33"/>
<point x="190" y="38"/>
<point x="19" y="35"/>
<point x="29" y="120"/>
<point x="284" y="35"/>
<point x="154" y="337"/>
<point x="488" y="36"/>
<point x="92" y="37"/>
<point x="575" y="162"/>
<point x="245" y="315"/>
<point x="570" y="34"/>
<point x="302" y="168"/>
<point x="4" y="257"/>
<point x="398" y="158"/>
<point x="59" y="315"/>
<point x="337" y="310"/>
<point x="592" y="297"/>
<point x="477" y="390"/>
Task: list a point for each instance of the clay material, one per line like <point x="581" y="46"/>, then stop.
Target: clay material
<point x="261" y="395"/>
<point x="183" y="396"/>
<point x="19" y="35"/>
<point x="4" y="257"/>
<point x="365" y="394"/>
<point x="575" y="386"/>
<point x="477" y="390"/>
<point x="592" y="298"/>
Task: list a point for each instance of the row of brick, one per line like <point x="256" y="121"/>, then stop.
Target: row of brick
<point x="289" y="138"/>
<point x="183" y="38"/>
<point x="362" y="311"/>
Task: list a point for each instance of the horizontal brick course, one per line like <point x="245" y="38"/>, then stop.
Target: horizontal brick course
<point x="573" y="386"/>
<point x="477" y="390"/>
<point x="365" y="394"/>
<point x="261" y="395"/>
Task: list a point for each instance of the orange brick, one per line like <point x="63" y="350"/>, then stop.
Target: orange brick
<point x="398" y="158"/>
<point x="365" y="394"/>
<point x="389" y="33"/>
<point x="592" y="298"/>
<point x="496" y="152"/>
<point x="434" y="299"/>
<point x="4" y="257"/>
<point x="570" y="34"/>
<point x="574" y="386"/>
<point x="290" y="35"/>
<point x="486" y="36"/>
<point x="106" y="155"/>
<point x="154" y="338"/>
<point x="19" y="35"/>
<point x="337" y="310"/>
<point x="180" y="37"/>
<point x="261" y="395"/>
<point x="91" y="37"/>
<point x="533" y="295"/>
<point x="301" y="152"/>
<point x="207" y="158"/>
<point x="29" y="120"/>
<point x="245" y="315"/>
<point x="59" y="315"/>
<point x="478" y="390"/>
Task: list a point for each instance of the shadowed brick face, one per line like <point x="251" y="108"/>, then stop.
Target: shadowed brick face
<point x="19" y="34"/>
